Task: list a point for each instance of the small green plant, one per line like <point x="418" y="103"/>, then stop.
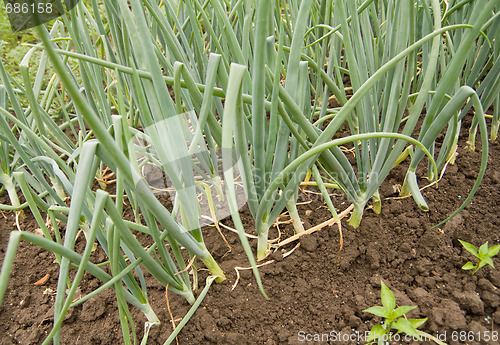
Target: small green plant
<point x="483" y="255"/>
<point x="394" y="319"/>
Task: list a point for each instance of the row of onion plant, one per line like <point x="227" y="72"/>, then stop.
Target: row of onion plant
<point x="73" y="168"/>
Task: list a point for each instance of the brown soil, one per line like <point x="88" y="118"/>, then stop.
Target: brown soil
<point x="308" y="291"/>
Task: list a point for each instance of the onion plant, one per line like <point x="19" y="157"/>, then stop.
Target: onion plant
<point x="382" y="102"/>
<point x="26" y="145"/>
<point x="341" y="36"/>
<point x="101" y="217"/>
<point x="381" y="84"/>
<point x="114" y="155"/>
<point x="138" y="91"/>
<point x="482" y="66"/>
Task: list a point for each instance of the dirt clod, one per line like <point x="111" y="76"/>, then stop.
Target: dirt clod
<point x="309" y="243"/>
<point x="469" y="301"/>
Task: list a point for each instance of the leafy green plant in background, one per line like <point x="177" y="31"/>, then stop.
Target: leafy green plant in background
<point x="394" y="319"/>
<point x="483" y="256"/>
<point x="14" y="46"/>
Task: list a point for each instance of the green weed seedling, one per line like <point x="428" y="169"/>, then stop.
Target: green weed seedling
<point x="483" y="255"/>
<point x="394" y="319"/>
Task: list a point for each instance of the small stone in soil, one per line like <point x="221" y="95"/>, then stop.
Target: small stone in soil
<point x="25" y="301"/>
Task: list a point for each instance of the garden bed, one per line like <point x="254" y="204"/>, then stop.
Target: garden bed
<point x="310" y="294"/>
